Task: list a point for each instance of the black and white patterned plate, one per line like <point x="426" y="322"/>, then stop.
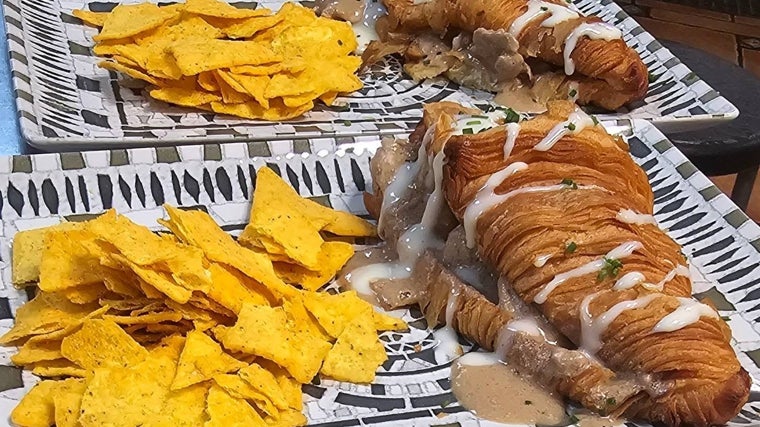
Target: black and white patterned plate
<point x="412" y="388"/>
<point x="66" y="102"/>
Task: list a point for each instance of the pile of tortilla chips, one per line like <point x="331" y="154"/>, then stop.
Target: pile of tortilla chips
<point x="210" y="55"/>
<point x="190" y="328"/>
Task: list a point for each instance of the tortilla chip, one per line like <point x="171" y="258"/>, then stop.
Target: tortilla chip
<point x="129" y="20"/>
<point x="356" y="354"/>
<point x="27" y="252"/>
<point x="335" y="312"/>
<point x="290" y="65"/>
<point x="146" y="319"/>
<point x="266" y="383"/>
<point x="157" y="284"/>
<point x="298" y="352"/>
<point x="231" y="292"/>
<point x="197" y="228"/>
<point x="207" y="80"/>
<point x="300" y="320"/>
<point x="383" y="322"/>
<point x="253" y="110"/>
<point x="67" y="400"/>
<point x="102" y="343"/>
<point x="183" y="408"/>
<point x="194" y="56"/>
<point x="240" y="389"/>
<point x="57" y="368"/>
<point x="244" y="28"/>
<point x="184" y="97"/>
<point x="201" y="359"/>
<point x="225" y="410"/>
<point x="85" y="294"/>
<point x="289" y="386"/>
<point x="47" y="312"/>
<point x="67" y="263"/>
<point x="331" y="258"/>
<point x="221" y="9"/>
<point x="252" y="85"/>
<point x="133" y="72"/>
<point x="328" y="97"/>
<point x="36" y="408"/>
<point x="232" y="92"/>
<point x="96" y="19"/>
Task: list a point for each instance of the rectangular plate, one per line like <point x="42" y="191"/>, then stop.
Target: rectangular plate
<point x="65" y="102"/>
<point x="721" y="243"/>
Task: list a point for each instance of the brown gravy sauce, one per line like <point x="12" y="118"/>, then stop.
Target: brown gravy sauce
<point x="497" y="392"/>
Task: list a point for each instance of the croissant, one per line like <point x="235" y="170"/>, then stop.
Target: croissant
<point x="608" y="72"/>
<point x="560" y="210"/>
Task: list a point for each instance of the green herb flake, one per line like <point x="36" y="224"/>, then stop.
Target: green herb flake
<point x="570" y="247"/>
<point x="544" y="8"/>
<point x="511" y="116"/>
<point x="473" y="122"/>
<point x="573" y="93"/>
<point x="611" y="268"/>
<point x="569" y="183"/>
<point x="528" y="402"/>
<point x="595" y="120"/>
<point x="611" y="401"/>
<point x="347" y="123"/>
<point x="467" y="131"/>
<point x="479" y="117"/>
<point x="571" y="126"/>
<point x="652" y="78"/>
<point x="725" y="318"/>
<point x="573" y="419"/>
<point x="447" y="402"/>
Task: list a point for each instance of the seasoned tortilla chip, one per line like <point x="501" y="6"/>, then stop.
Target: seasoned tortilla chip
<point x="357" y="354"/>
<point x="225" y="410"/>
<point x="131" y="19"/>
<point x="96" y="19"/>
<point x="101" y="343"/>
<point x="221" y="9"/>
<point x="27" y="251"/>
<point x="331" y="258"/>
<point x="335" y="312"/>
<point x="47" y="312"/>
<point x="201" y="359"/>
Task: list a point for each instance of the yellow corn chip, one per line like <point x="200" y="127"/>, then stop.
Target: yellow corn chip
<point x="27" y="252"/>
<point x="240" y="389"/>
<point x="66" y="263"/>
<point x="289" y="386"/>
<point x="96" y="19"/>
<point x="221" y="9"/>
<point x="300" y="353"/>
<point x="296" y="100"/>
<point x="85" y="294"/>
<point x="227" y="411"/>
<point x="47" y="312"/>
<point x="265" y="383"/>
<point x="197" y="55"/>
<point x="130" y="71"/>
<point x="197" y="228"/>
<point x="185" y="97"/>
<point x="253" y="110"/>
<point x="101" y="343"/>
<point x="57" y="368"/>
<point x="383" y="322"/>
<point x="301" y="321"/>
<point x="157" y="284"/>
<point x="36" y="408"/>
<point x="331" y="258"/>
<point x="328" y="97"/>
<point x="357" y="354"/>
<point x="183" y="408"/>
<point x="67" y="400"/>
<point x="289" y="65"/>
<point x="252" y="85"/>
<point x="244" y="28"/>
<point x="146" y="319"/>
<point x="201" y="359"/>
<point x="129" y="20"/>
<point x="287" y="419"/>
<point x="207" y="80"/>
<point x="229" y="291"/>
<point x="335" y="312"/>
<point x="232" y="92"/>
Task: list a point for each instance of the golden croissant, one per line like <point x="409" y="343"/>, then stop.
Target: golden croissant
<point x="558" y="208"/>
<point x="604" y="69"/>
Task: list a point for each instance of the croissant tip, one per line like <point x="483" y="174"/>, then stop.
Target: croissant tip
<point x="732" y="397"/>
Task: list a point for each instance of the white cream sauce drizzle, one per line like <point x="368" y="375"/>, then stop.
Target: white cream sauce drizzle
<point x="541" y="260"/>
<point x="538" y="8"/>
<point x="417" y="238"/>
<point x="486" y="198"/>
<point x="624" y="250"/>
<point x="402" y="179"/>
<point x="575" y="123"/>
<point x="594" y="31"/>
<point x="629" y="280"/>
<point x="476" y="123"/>
<point x="513" y="130"/>
<point x="448" y="347"/>
<point x="689" y="311"/>
<point x="630" y="216"/>
<point x="592" y="329"/>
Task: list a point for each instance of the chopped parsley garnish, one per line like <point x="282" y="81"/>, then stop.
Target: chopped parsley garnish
<point x="611" y="401"/>
<point x="573" y="419"/>
<point x="528" y="402"/>
<point x="569" y="183"/>
<point x="473" y="122"/>
<point x="611" y="268"/>
<point x="467" y="131"/>
<point x="571" y="127"/>
<point x="570" y="247"/>
<point x="725" y="318"/>
<point x="544" y="8"/>
<point x="346" y="122"/>
<point x="652" y="78"/>
<point x="511" y="116"/>
<point x="595" y="120"/>
<point x="479" y="117"/>
<point x="573" y="93"/>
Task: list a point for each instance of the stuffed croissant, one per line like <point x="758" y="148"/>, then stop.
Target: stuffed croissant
<point x="597" y="67"/>
<point x="559" y="210"/>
